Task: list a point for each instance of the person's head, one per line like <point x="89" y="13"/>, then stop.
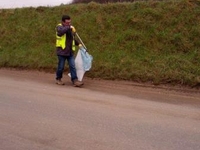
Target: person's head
<point x="66" y="20"/>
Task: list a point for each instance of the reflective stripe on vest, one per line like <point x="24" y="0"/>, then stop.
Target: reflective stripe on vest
<point x="73" y="45"/>
<point x="61" y="41"/>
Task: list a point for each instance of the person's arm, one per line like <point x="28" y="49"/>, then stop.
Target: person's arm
<point x="61" y="30"/>
<point x="76" y="42"/>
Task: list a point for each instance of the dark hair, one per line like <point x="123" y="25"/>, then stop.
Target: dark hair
<point x="65" y="17"/>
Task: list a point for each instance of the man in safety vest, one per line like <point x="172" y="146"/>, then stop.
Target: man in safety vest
<point x="65" y="47"/>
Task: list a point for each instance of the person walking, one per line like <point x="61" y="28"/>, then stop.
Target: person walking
<point x="65" y="47"/>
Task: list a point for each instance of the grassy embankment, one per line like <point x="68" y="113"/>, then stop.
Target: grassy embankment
<point x="156" y="42"/>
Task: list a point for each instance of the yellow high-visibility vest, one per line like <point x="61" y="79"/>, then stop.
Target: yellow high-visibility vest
<point x="61" y="41"/>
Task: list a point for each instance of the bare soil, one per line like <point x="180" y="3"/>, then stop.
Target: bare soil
<point x="163" y="93"/>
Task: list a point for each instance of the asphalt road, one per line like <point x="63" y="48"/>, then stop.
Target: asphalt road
<point x="37" y="114"/>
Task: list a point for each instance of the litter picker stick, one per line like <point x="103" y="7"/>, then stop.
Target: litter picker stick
<point x="81" y="40"/>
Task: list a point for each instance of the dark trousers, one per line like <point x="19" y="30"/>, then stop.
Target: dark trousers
<point x="61" y="65"/>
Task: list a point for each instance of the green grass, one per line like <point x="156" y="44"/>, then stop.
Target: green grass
<point x="151" y="41"/>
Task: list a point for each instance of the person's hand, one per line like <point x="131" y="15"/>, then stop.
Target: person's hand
<point x="80" y="45"/>
<point x="73" y="29"/>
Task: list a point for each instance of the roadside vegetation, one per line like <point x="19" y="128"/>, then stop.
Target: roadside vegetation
<point x="149" y="41"/>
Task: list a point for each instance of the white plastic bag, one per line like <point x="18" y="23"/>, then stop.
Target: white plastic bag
<point x="83" y="63"/>
<point x="86" y="59"/>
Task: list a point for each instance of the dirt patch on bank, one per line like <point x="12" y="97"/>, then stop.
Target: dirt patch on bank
<point x="161" y="93"/>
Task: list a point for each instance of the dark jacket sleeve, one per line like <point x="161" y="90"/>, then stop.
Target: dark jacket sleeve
<point x="61" y="30"/>
<point x="76" y="42"/>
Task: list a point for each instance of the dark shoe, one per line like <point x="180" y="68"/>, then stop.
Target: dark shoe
<point x="59" y="82"/>
<point x="77" y="83"/>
